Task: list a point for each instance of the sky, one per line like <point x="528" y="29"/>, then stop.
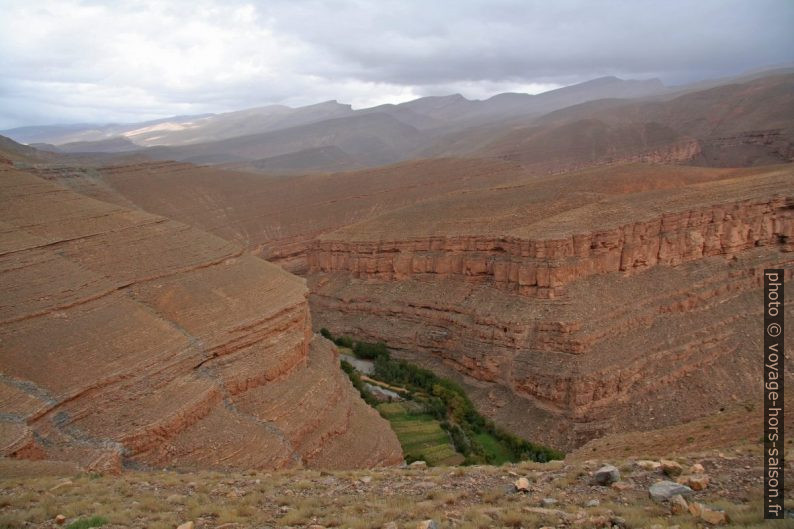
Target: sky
<point x="66" y="61"/>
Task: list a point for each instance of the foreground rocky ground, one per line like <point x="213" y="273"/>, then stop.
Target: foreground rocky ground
<point x="558" y="494"/>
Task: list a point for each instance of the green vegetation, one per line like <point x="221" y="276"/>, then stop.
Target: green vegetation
<point x="495" y="451"/>
<point x="473" y="436"/>
<point x="355" y="378"/>
<point x="370" y="351"/>
<point x="420" y="435"/>
<point x="87" y="523"/>
<point x="342" y="341"/>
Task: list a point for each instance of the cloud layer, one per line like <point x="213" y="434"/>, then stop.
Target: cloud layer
<point x="80" y="61"/>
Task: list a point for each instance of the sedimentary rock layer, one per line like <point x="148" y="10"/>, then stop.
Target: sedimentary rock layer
<point x="623" y="234"/>
<point x="568" y="304"/>
<point x="649" y="297"/>
<point x="128" y="338"/>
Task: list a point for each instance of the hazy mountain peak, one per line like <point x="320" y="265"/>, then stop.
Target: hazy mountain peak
<point x="331" y="103"/>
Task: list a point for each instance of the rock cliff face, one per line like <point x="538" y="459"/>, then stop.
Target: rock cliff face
<point x="579" y="323"/>
<point x="542" y="267"/>
<point x="130" y="339"/>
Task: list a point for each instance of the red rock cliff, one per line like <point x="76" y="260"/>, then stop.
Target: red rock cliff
<point x="579" y="323"/>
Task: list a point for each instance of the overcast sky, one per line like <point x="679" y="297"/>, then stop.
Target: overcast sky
<point x="114" y="61"/>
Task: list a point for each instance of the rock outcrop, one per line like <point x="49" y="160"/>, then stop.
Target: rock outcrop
<point x="542" y="267"/>
<point x="130" y="339"/>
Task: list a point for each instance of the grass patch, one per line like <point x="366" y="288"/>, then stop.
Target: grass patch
<point x="420" y="435"/>
<point x="87" y="523"/>
<point x="495" y="452"/>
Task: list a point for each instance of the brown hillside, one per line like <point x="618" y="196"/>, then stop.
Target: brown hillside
<point x="130" y="339"/>
<point x="278" y="217"/>
<point x="733" y="125"/>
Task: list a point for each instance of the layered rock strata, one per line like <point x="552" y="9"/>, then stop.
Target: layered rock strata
<point x="655" y="302"/>
<point x="570" y="305"/>
<point x="541" y="267"/>
<point x="130" y="339"/>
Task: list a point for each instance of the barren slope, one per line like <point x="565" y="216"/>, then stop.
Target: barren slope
<point x="733" y="125"/>
<point x="129" y="338"/>
<point x="276" y="217"/>
<point x="373" y="139"/>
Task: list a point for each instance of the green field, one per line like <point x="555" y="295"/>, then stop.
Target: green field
<point x="420" y="436"/>
<point x="432" y="401"/>
<point x="496" y="452"/>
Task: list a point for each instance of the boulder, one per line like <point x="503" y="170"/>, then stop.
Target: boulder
<point x="521" y="485"/>
<point x="671" y="468"/>
<point x="697" y="468"/>
<point x="678" y="505"/>
<point x="187" y="525"/>
<point x="708" y="515"/>
<point x="427" y="524"/>
<point x="418" y="464"/>
<point x="698" y="482"/>
<point x="664" y="490"/>
<point x="597" y="521"/>
<point x="607" y="475"/>
<point x="60" y="519"/>
<point x="647" y="464"/>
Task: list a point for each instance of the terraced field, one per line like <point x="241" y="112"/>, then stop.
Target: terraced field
<point x="421" y="436"/>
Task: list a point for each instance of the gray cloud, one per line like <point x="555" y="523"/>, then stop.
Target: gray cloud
<point x="71" y="60"/>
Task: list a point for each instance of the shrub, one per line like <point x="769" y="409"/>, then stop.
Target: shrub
<point x="87" y="523"/>
<point x="358" y="384"/>
<point x="370" y="351"/>
<point x="344" y="341"/>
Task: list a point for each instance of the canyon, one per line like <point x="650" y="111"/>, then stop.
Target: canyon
<point x="569" y="305"/>
<point x="566" y="334"/>
<point x="590" y="272"/>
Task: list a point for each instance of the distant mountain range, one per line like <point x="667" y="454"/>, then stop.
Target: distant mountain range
<point x="586" y="122"/>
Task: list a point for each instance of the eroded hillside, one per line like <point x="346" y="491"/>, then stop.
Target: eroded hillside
<point x="723" y="473"/>
<point x="130" y="339"/>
